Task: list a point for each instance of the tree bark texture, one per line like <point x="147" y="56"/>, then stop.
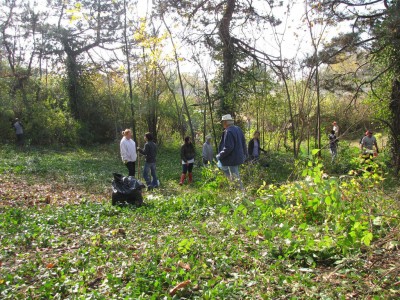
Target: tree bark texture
<point x="227" y="55"/>
<point x="395" y="138"/>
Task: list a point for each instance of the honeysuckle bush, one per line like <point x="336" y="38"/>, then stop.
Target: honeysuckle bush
<point x="321" y="217"/>
<point x="277" y="239"/>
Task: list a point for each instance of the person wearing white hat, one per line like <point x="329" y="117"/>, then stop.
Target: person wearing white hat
<point x="232" y="149"/>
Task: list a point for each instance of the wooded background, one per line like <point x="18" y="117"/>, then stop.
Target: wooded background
<point x="79" y="72"/>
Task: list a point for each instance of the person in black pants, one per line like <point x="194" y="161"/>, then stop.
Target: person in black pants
<point x="187" y="156"/>
<point x="128" y="151"/>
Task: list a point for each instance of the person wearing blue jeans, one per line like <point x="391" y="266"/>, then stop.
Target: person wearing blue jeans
<point x="232" y="150"/>
<point x="150" y="151"/>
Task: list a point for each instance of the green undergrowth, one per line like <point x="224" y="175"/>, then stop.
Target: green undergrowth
<point x="316" y="237"/>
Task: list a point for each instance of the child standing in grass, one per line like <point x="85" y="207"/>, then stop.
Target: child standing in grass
<point x="187" y="156"/>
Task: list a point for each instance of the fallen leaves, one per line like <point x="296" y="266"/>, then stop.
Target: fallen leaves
<point x="179" y="286"/>
<point x="50" y="266"/>
<point x="16" y="192"/>
<point x="184" y="265"/>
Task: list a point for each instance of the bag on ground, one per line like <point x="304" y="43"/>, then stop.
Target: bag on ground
<point x="126" y="190"/>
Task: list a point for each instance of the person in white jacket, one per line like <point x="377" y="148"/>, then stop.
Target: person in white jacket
<point x="128" y="151"/>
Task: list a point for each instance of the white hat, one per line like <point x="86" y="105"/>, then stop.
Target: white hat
<point x="227" y="118"/>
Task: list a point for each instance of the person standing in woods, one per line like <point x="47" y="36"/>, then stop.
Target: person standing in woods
<point x="150" y="152"/>
<point x="332" y="144"/>
<point x="232" y="150"/>
<point x="254" y="148"/>
<point x="335" y="128"/>
<point x="367" y="144"/>
<point x="19" y="131"/>
<point x="188" y="154"/>
<point x="128" y="151"/>
<point x="207" y="152"/>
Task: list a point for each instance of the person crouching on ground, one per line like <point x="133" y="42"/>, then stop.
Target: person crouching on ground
<point x="150" y="151"/>
<point x="187" y="156"/>
<point x="128" y="151"/>
<point x="232" y="150"/>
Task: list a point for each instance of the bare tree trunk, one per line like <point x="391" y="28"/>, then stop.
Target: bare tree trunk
<point x="180" y="81"/>
<point x="395" y="124"/>
<point x="315" y="42"/>
<point x="178" y="110"/>
<point x="318" y="125"/>
<point x="110" y="96"/>
<point x="210" y="107"/>
<point x="228" y="57"/>
<point x="208" y="96"/>
<point x="21" y="77"/>
<point x="293" y="129"/>
<point x="152" y="107"/>
<point x="127" y="51"/>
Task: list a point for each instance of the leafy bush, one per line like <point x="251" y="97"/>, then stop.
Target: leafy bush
<point x="50" y="125"/>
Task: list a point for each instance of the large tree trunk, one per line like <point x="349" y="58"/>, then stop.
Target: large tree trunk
<point x="179" y="121"/>
<point x="395" y="138"/>
<point x="227" y="105"/>
<point x="73" y="84"/>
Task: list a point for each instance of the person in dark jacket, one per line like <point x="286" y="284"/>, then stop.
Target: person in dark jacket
<point x="187" y="156"/>
<point x="254" y="148"/>
<point x="19" y="131"/>
<point x="150" y="151"/>
<point x="232" y="150"/>
<point x="333" y="141"/>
